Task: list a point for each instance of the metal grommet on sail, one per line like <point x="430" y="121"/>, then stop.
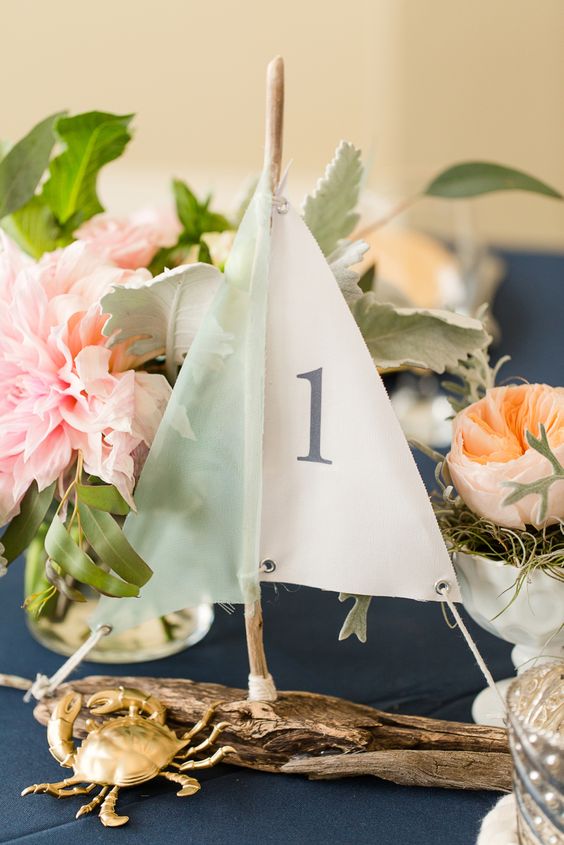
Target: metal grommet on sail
<point x="442" y="586"/>
<point x="267" y="566"/>
<point x="281" y="205"/>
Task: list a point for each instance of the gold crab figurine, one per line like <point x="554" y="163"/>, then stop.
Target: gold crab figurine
<point x="123" y="751"/>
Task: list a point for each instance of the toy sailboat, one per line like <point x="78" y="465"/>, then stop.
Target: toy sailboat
<point x="279" y="457"/>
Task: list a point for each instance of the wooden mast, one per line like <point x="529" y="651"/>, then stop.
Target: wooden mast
<point x="261" y="685"/>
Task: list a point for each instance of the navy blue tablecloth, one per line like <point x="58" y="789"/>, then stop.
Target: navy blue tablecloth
<point x="412" y="663"/>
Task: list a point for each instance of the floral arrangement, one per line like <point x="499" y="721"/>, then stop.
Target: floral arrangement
<point x="502" y="482"/>
<point x="99" y="312"/>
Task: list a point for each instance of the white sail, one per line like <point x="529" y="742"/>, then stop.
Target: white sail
<point x="343" y="505"/>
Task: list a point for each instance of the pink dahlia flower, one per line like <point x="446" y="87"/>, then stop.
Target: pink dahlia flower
<point x="131" y="241"/>
<point x="62" y="390"/>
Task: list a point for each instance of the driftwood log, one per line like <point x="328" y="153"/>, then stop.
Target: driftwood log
<point x="325" y="737"/>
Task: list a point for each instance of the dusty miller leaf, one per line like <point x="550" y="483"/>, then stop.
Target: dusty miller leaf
<point x="355" y="623"/>
<point x="540" y="487"/>
<point x="345" y="256"/>
<point x="330" y="211"/>
<point x="416" y="337"/>
<point x="163" y="315"/>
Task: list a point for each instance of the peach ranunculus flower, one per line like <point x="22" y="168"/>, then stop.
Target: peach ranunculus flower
<point x="490" y="448"/>
<point x="61" y="388"/>
<point x="133" y="240"/>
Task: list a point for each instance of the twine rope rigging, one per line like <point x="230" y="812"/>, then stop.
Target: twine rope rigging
<point x="442" y="587"/>
<point x="261" y="688"/>
<point x="43" y="685"/>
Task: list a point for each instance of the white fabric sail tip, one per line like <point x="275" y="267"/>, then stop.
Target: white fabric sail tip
<point x="344" y="507"/>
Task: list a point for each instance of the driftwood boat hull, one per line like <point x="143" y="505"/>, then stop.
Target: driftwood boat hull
<point x="325" y="737"/>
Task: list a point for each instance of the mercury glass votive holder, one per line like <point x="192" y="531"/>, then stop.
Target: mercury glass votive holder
<point x="535" y="711"/>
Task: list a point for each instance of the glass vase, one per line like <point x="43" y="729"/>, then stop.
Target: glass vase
<point x="62" y="626"/>
<point x="535" y="704"/>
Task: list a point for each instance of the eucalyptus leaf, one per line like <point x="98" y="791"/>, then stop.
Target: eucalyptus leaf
<point x="110" y="544"/>
<point x="356" y="620"/>
<point x="103" y="497"/>
<point x="330" y="211"/>
<point x="24" y="164"/>
<point x="416" y="337"/>
<point x="346" y="255"/>
<point x="165" y="314"/>
<point x="91" y="140"/>
<point x="23" y="527"/>
<point x="473" y="178"/>
<point x="53" y="577"/>
<point x="62" y="549"/>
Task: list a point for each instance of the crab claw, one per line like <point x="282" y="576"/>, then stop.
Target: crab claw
<point x="114" y="700"/>
<point x="113" y="820"/>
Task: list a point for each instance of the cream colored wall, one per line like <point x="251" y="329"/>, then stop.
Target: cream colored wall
<point x="416" y="83"/>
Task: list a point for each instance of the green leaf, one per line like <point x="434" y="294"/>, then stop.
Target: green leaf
<point x="103" y="497"/>
<point x="166" y="257"/>
<point x="416" y="337"/>
<point x="54" y="577"/>
<point x="39" y="596"/>
<point x="366" y="281"/>
<point x="330" y="211"/>
<point x="188" y="210"/>
<point x="23" y="527"/>
<point x="61" y="548"/>
<point x="165" y="314"/>
<point x="91" y="140"/>
<point x="33" y="227"/>
<point x="355" y="623"/>
<point x="110" y="544"/>
<point x="195" y="216"/>
<point x="472" y="178"/>
<point x="204" y="254"/>
<point x="24" y="164"/>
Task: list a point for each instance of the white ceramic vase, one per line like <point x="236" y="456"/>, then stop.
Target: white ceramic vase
<point x="533" y="622"/>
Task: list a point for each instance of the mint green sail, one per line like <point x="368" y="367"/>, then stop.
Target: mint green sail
<point x="199" y="495"/>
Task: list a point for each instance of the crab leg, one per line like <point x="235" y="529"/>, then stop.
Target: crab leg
<point x="108" y="815"/>
<point x="189" y="785"/>
<point x="207" y="762"/>
<point x="58" y="790"/>
<point x="203" y="723"/>
<point x="87" y="808"/>
<point x="206" y="743"/>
